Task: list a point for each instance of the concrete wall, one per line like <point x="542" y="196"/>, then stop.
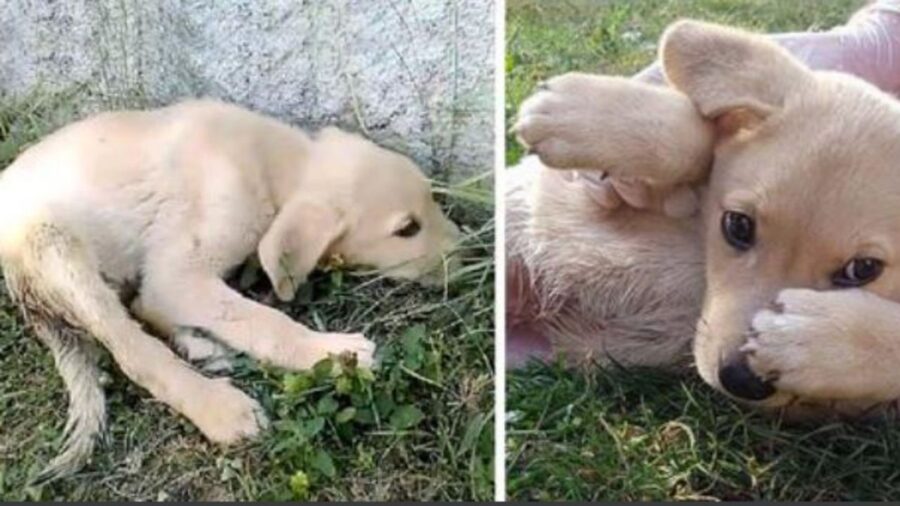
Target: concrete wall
<point x="415" y="75"/>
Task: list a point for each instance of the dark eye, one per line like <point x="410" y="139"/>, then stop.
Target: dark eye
<point x="858" y="272"/>
<point x="411" y="228"/>
<point x="739" y="230"/>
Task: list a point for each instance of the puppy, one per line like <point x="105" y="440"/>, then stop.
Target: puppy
<point x="166" y="203"/>
<point x="785" y="290"/>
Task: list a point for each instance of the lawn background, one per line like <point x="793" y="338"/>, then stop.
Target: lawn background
<point x="421" y="429"/>
<point x="644" y="435"/>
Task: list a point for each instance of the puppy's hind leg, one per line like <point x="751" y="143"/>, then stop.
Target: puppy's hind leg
<point x="58" y="279"/>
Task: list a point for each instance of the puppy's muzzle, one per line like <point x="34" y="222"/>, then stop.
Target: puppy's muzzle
<point x="739" y="380"/>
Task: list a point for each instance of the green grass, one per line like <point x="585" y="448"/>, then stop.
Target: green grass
<point x="420" y="429"/>
<point x="646" y="435"/>
<point x="624" y="435"/>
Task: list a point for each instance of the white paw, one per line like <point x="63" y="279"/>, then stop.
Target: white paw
<point x="593" y="125"/>
<point x="555" y="123"/>
<point x="806" y="345"/>
<point x="227" y="415"/>
<point x="357" y="344"/>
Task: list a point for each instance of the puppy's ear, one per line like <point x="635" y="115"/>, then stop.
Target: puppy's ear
<point x="301" y="234"/>
<point x="733" y="77"/>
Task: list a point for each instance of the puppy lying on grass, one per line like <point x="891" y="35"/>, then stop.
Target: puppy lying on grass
<point x="153" y="209"/>
<point x="785" y="291"/>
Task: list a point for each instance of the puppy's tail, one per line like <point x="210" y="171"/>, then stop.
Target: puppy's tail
<point x="76" y="361"/>
<point x="59" y="290"/>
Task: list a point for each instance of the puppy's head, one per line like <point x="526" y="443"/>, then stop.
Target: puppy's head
<point x="370" y="206"/>
<point x="804" y="191"/>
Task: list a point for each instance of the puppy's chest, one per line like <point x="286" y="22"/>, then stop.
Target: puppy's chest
<point x="233" y="240"/>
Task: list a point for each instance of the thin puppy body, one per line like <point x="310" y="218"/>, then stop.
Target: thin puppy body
<point x="168" y="202"/>
<point x="784" y="292"/>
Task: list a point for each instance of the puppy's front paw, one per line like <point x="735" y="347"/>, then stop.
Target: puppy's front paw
<point x="809" y="344"/>
<point x="617" y="125"/>
<point x="227" y="415"/>
<point x="561" y="124"/>
<point x="357" y="344"/>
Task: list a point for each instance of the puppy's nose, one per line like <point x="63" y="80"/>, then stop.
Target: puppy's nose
<point x="739" y="380"/>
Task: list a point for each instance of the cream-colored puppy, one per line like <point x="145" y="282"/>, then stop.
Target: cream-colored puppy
<point x="163" y="204"/>
<point x="786" y="287"/>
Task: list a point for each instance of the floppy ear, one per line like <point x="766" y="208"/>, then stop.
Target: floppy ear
<point x="733" y="77"/>
<point x="300" y="235"/>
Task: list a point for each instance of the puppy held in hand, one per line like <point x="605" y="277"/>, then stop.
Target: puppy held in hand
<point x="784" y="291"/>
<point x="170" y="201"/>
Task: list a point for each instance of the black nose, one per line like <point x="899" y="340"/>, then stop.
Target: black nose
<point x="738" y="380"/>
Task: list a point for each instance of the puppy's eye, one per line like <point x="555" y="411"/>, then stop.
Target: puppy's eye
<point x="858" y="272"/>
<point x="410" y="229"/>
<point x="739" y="230"/>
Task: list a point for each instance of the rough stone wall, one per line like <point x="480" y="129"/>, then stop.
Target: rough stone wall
<point x="414" y="75"/>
